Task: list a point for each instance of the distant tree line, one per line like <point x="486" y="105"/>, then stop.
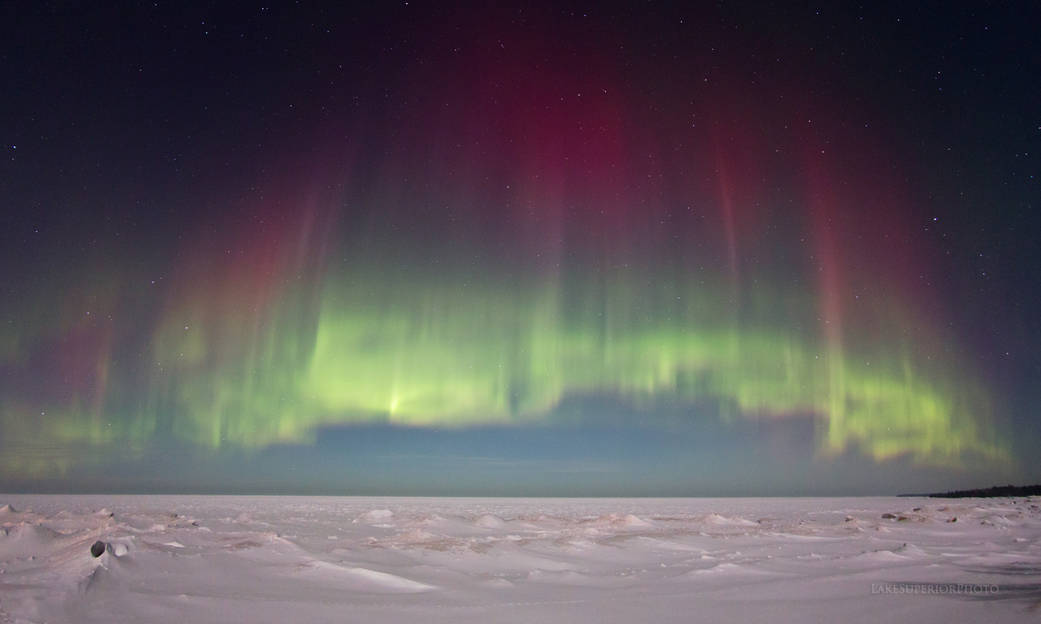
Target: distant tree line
<point x="991" y="492"/>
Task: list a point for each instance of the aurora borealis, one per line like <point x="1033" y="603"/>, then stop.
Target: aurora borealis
<point x="235" y="234"/>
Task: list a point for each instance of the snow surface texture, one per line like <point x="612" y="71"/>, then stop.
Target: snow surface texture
<point x="300" y="559"/>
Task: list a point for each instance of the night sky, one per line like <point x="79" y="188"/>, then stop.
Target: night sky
<point x="632" y="249"/>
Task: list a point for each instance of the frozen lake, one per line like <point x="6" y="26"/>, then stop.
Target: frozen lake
<point x="331" y="559"/>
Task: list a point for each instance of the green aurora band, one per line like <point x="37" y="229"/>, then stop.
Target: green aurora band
<point x="407" y="348"/>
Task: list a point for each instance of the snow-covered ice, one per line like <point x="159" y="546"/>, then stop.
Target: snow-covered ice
<point x="296" y="559"/>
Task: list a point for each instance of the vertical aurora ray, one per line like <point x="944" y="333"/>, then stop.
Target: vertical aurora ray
<point x="830" y="309"/>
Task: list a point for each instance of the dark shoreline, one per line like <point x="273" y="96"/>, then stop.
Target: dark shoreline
<point x="991" y="492"/>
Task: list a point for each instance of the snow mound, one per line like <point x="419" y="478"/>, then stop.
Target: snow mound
<point x="415" y="536"/>
<point x="489" y="521"/>
<point x="879" y="556"/>
<point x="911" y="551"/>
<point x="616" y="520"/>
<point x="359" y="579"/>
<point x="433" y="520"/>
<point x="718" y="520"/>
<point x="26" y="540"/>
<point x="669" y="545"/>
<point x="375" y="515"/>
<point x="567" y="577"/>
<point x="727" y="569"/>
<point x="97" y="579"/>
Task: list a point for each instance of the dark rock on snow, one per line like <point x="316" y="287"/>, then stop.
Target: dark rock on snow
<point x="97" y="548"/>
